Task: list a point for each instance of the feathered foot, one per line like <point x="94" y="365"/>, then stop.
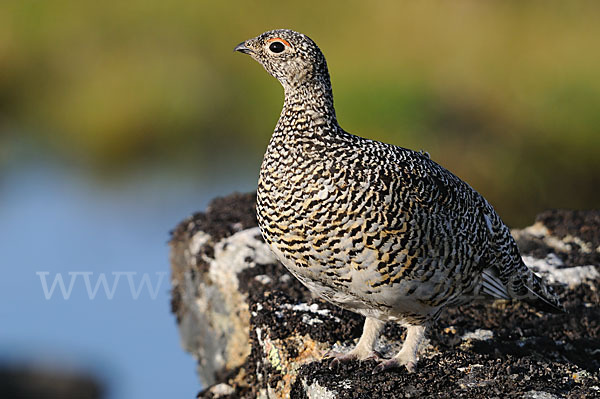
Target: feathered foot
<point x="364" y="349"/>
<point x="408" y="354"/>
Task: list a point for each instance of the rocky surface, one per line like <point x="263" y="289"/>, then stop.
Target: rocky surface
<point x="257" y="332"/>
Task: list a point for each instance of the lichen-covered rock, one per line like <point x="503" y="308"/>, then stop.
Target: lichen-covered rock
<point x="257" y="332"/>
<point x="211" y="310"/>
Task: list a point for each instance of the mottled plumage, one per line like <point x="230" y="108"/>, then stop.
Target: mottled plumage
<point x="374" y="228"/>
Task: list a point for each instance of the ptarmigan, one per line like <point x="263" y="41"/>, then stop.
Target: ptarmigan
<point x="374" y="228"/>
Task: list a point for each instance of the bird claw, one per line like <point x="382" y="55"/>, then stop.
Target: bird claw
<point x="392" y="364"/>
<point x="338" y="358"/>
<point x="334" y="364"/>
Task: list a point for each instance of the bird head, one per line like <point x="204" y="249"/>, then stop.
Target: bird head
<point x="291" y="57"/>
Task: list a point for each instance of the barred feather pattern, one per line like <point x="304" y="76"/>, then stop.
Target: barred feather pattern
<point x="374" y="228"/>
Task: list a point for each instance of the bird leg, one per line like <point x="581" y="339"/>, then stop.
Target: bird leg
<point x="408" y="354"/>
<point x="364" y="349"/>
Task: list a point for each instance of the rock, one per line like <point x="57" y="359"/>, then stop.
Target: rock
<point x="211" y="310"/>
<point x="257" y="332"/>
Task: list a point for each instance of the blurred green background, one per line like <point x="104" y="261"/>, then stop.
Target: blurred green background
<point x="504" y="94"/>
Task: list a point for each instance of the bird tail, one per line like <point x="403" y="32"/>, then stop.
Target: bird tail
<point x="522" y="284"/>
<point x="540" y="294"/>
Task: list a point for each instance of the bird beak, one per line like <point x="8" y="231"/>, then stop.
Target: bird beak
<point x="242" y="48"/>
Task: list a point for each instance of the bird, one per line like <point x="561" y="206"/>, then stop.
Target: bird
<point x="374" y="228"/>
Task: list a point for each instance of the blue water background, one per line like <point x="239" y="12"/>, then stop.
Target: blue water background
<point x="59" y="220"/>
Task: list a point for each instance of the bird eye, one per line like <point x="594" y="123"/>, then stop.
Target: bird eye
<point x="276" y="47"/>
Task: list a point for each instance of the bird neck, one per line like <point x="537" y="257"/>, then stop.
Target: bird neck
<point x="308" y="106"/>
